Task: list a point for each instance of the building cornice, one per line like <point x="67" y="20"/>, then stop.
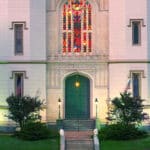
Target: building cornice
<point x="115" y="61"/>
<point x="78" y="58"/>
<point x="70" y="59"/>
<point x="23" y="62"/>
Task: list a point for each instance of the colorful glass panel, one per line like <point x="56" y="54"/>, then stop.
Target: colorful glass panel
<point x="69" y="42"/>
<point x="84" y="42"/>
<point x="77" y="25"/>
<point x="64" y="42"/>
<point x="90" y="41"/>
<point x="77" y="31"/>
<point x="64" y="18"/>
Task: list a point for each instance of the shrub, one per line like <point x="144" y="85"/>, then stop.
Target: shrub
<point x="127" y="109"/>
<point x="24" y="108"/>
<point x="120" y="132"/>
<point x="53" y="133"/>
<point x="34" y="131"/>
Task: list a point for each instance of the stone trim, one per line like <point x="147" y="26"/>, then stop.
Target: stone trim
<point x="141" y="20"/>
<point x="22" y="72"/>
<point x="18" y="22"/>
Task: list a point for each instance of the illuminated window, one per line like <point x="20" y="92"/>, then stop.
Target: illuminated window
<point x="19" y="84"/>
<point x="77" y="26"/>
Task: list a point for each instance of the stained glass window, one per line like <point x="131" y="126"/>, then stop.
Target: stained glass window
<point x="77" y="26"/>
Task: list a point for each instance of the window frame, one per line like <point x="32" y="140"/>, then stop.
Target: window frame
<point x="19" y="74"/>
<point x="139" y="84"/>
<point x="141" y="75"/>
<point x="13" y="76"/>
<point x="20" y="52"/>
<point x="138" y="38"/>
<point x="24" y="27"/>
<point x="141" y="23"/>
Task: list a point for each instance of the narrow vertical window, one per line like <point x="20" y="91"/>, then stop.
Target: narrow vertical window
<point x="136" y="32"/>
<point x="19" y="84"/>
<point x="18" y="38"/>
<point x="136" y="84"/>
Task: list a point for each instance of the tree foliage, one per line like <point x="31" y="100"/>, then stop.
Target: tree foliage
<point x="25" y="108"/>
<point x="126" y="109"/>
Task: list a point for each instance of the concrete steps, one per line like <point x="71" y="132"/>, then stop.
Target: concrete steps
<point x="79" y="144"/>
<point x="77" y="125"/>
<point x="79" y="140"/>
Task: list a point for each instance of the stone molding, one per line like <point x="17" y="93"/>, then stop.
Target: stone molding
<point x="57" y="72"/>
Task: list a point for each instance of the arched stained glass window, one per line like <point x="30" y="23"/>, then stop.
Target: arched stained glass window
<point x="77" y="27"/>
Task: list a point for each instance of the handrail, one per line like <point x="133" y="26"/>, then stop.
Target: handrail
<point x="62" y="139"/>
<point x="96" y="141"/>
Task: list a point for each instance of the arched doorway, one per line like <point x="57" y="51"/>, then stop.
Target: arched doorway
<point x="77" y="97"/>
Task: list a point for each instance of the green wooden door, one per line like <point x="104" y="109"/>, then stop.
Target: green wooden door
<point x="77" y="97"/>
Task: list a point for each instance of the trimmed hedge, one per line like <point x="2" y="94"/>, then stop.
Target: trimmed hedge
<point x="34" y="131"/>
<point x="121" y="132"/>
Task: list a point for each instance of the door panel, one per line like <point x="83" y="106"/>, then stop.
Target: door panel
<point x="77" y="98"/>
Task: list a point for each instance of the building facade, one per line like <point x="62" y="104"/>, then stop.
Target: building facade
<point x="74" y="52"/>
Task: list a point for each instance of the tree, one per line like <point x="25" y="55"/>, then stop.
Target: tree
<point x="126" y="109"/>
<point x="22" y="109"/>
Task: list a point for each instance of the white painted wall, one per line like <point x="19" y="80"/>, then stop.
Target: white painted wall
<point x="35" y="85"/>
<point x="33" y="12"/>
<point x="118" y="79"/>
<point x="121" y="35"/>
<point x="37" y="29"/>
<point x="148" y="44"/>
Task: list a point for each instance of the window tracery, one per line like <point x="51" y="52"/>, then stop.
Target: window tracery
<point x="77" y="27"/>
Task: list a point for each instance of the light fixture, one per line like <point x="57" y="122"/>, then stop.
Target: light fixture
<point x="96" y="102"/>
<point x="77" y="83"/>
<point x="59" y="104"/>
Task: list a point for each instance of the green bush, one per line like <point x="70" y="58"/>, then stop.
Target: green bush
<point x="34" y="131"/>
<point x="53" y="133"/>
<point x="120" y="132"/>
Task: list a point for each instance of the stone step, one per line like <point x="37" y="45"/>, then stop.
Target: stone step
<point x="79" y="144"/>
<point x="78" y="125"/>
<point x="78" y="135"/>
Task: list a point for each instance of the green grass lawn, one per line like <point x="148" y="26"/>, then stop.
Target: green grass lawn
<point x="142" y="144"/>
<point x="12" y="143"/>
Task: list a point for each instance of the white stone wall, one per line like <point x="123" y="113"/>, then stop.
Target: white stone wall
<point x="120" y="35"/>
<point x="148" y="44"/>
<point x="124" y="56"/>
<point x="34" y="85"/>
<point x="38" y="29"/>
<point x="118" y="79"/>
<point x="33" y="12"/>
